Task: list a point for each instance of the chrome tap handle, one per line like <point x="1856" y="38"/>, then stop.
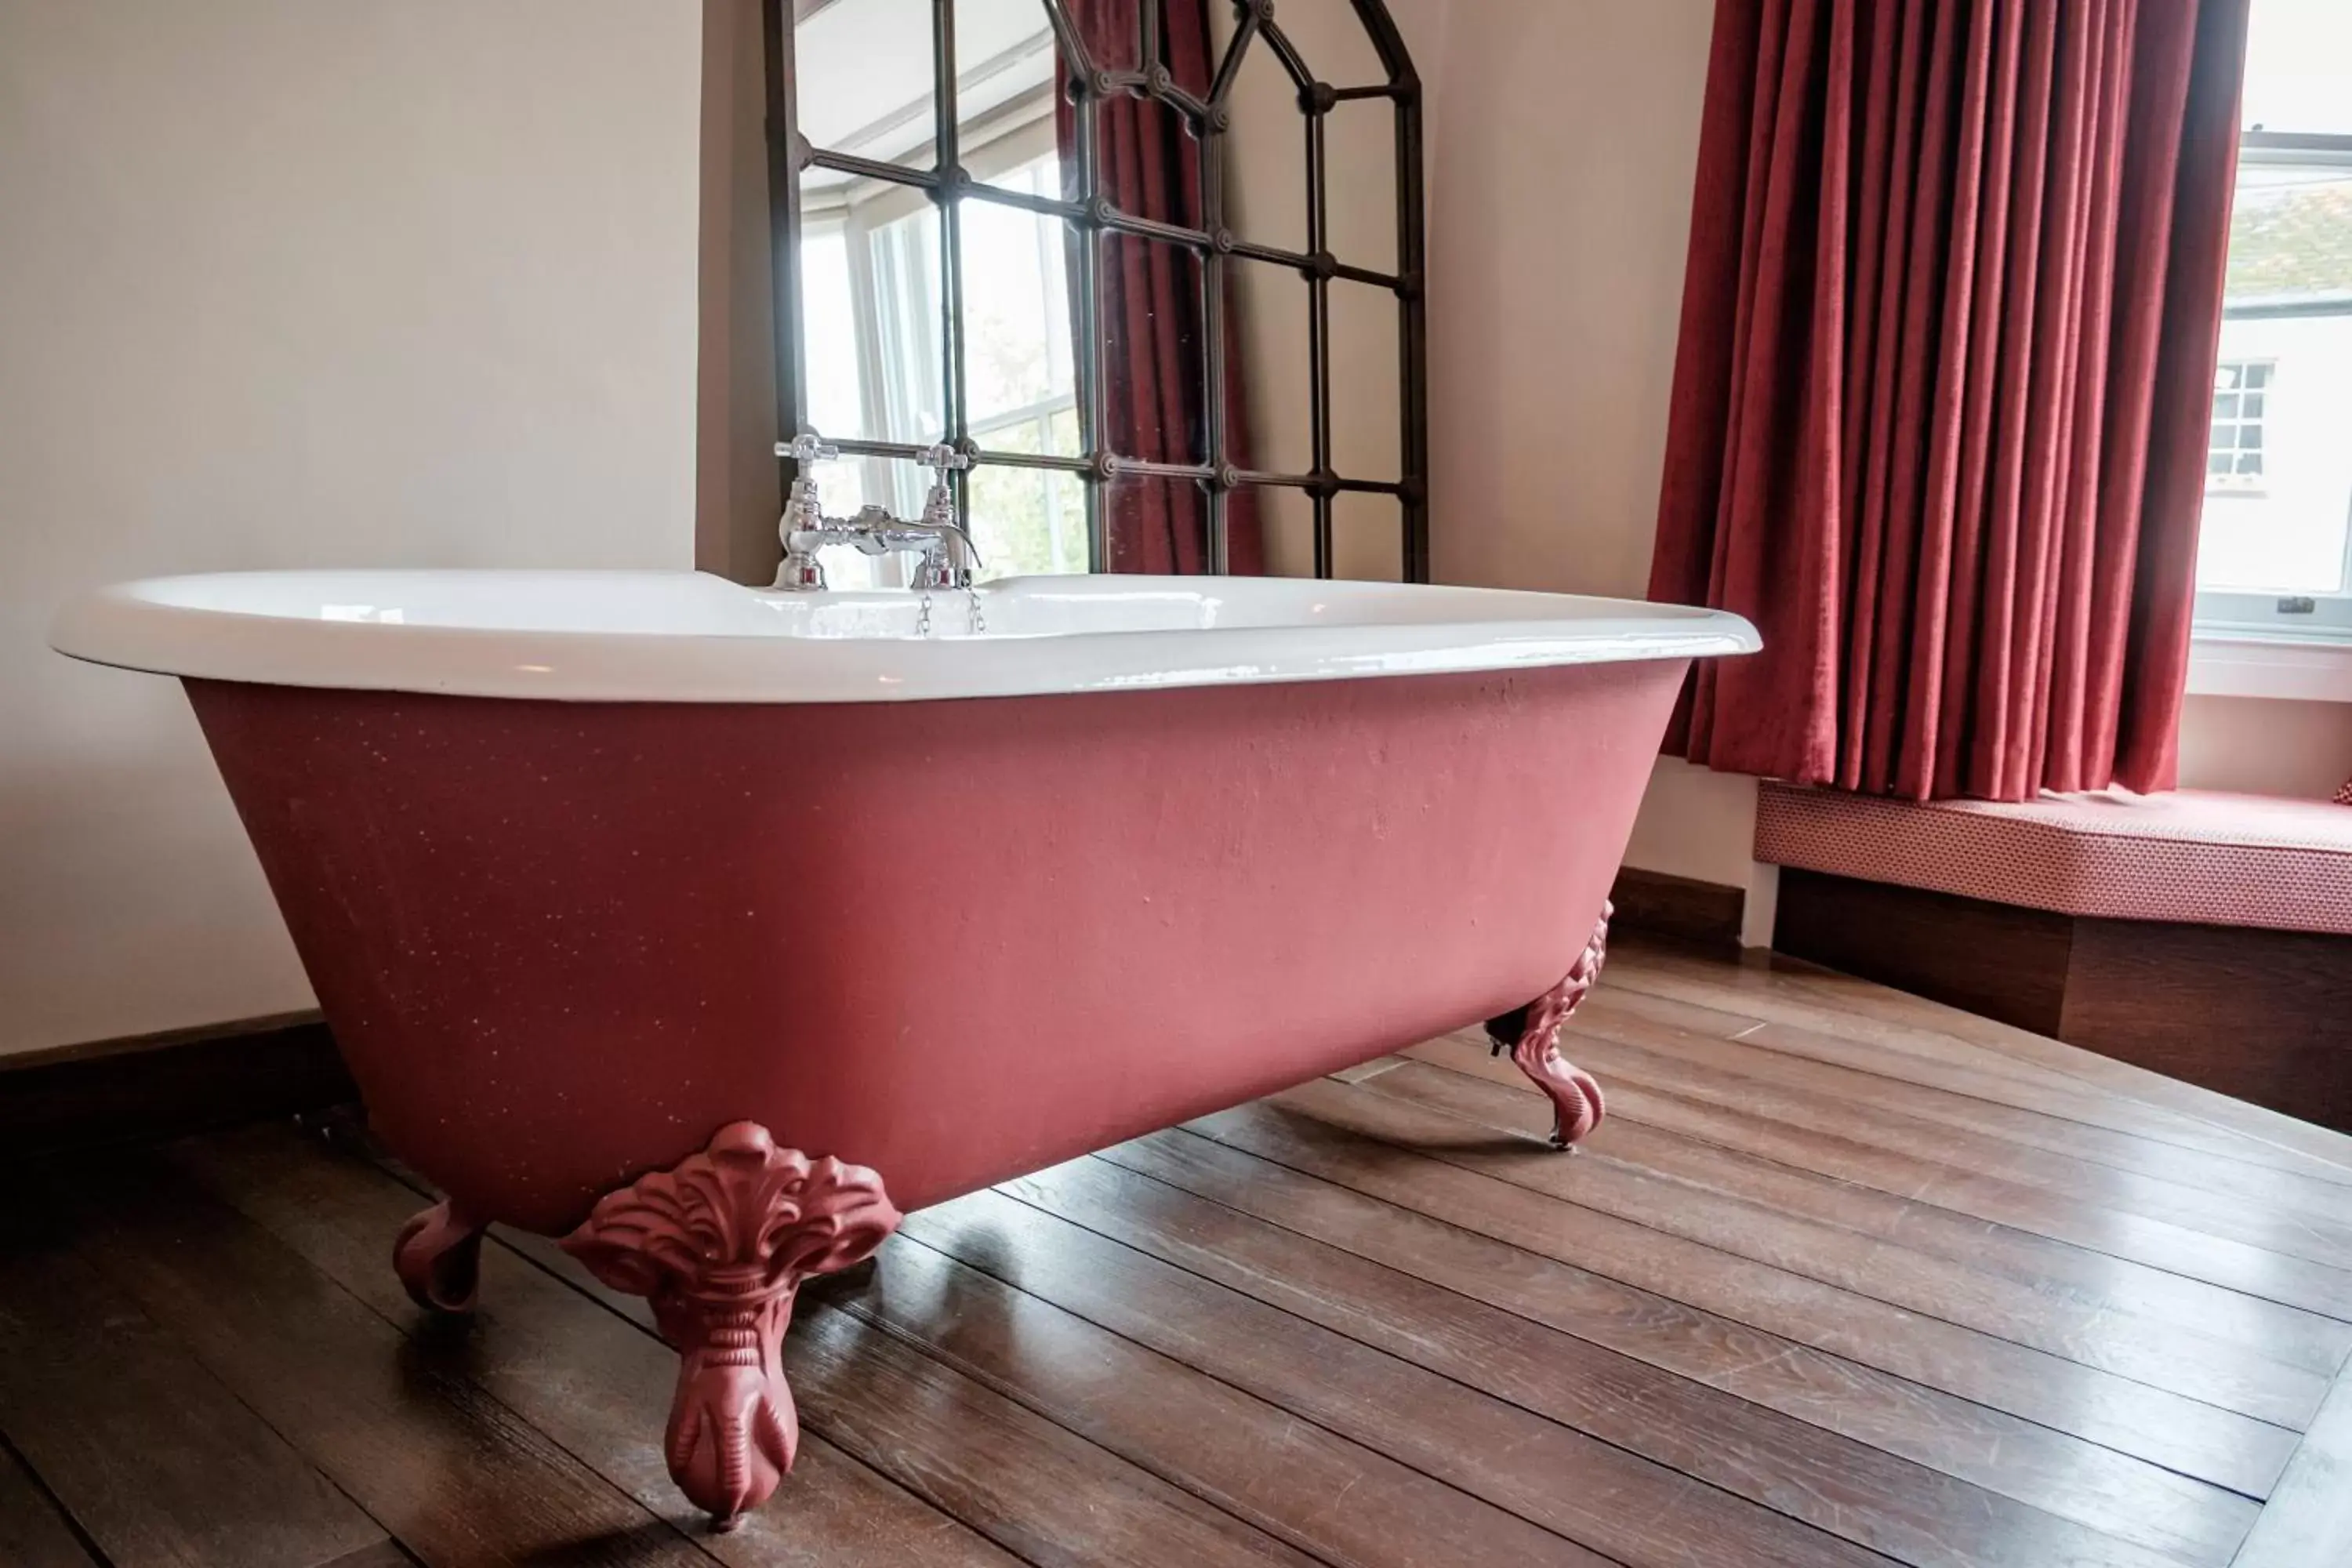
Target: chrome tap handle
<point x="936" y="570"/>
<point x="803" y="526"/>
<point x="808" y="448"/>
<point x="938" y="504"/>
<point x="803" y="510"/>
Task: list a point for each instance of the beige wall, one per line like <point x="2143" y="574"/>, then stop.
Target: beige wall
<point x="302" y="282"/>
<point x="2261" y="746"/>
<point x="1559" y="208"/>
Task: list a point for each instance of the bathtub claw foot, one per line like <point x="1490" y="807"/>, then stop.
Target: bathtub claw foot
<point x="438" y="1256"/>
<point x="720" y="1243"/>
<point x="1532" y="1034"/>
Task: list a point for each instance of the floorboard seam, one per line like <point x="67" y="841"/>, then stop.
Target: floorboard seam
<point x="1618" y="1037"/>
<point x="403" y="1177"/>
<point x="1938" y="1260"/>
<point x="1759" y="1263"/>
<point x="230" y="1389"/>
<point x="40" y="1483"/>
<point x="1009" y="1391"/>
<point x="1800" y="1130"/>
<point x="2342" y="1162"/>
<point x="1472" y="1388"/>
<point x="498" y="1239"/>
<point x="629" y="1500"/>
<point x="1756" y="1328"/>
<point x="1504" y="1399"/>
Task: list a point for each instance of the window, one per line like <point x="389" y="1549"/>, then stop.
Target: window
<point x="2234" y="453"/>
<point x="2276" y="541"/>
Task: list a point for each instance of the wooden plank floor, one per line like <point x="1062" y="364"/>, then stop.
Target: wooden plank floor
<point x="1846" y="1278"/>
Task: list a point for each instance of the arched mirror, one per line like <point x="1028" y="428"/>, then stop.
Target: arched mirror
<point x="1153" y="264"/>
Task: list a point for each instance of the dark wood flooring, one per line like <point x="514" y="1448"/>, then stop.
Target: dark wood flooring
<point x="1846" y="1278"/>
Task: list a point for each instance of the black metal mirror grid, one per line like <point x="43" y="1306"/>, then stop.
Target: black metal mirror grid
<point x="948" y="184"/>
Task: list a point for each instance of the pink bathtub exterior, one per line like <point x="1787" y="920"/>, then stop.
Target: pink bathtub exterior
<point x="561" y="944"/>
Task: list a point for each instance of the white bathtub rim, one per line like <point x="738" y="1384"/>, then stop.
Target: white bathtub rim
<point x="137" y="626"/>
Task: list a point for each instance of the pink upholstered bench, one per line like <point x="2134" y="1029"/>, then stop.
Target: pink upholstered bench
<point x="2195" y="855"/>
<point x="2205" y="935"/>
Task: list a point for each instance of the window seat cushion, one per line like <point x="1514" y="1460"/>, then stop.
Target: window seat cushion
<point x="2195" y="855"/>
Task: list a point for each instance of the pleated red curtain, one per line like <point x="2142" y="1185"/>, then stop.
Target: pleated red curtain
<point x="1948" y="336"/>
<point x="1152" y="321"/>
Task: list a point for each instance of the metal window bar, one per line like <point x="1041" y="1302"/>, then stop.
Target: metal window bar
<point x="1090" y="216"/>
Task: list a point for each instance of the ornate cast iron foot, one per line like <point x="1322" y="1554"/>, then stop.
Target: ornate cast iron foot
<point x="1532" y="1033"/>
<point x="720" y="1243"/>
<point x="438" y="1256"/>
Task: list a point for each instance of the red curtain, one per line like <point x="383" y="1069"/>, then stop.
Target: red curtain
<point x="1948" y="335"/>
<point x="1152" y="321"/>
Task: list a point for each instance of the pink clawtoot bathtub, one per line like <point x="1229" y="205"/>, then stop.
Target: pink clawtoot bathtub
<point x="708" y="927"/>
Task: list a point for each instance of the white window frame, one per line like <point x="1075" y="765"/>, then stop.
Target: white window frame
<point x="2227" y="616"/>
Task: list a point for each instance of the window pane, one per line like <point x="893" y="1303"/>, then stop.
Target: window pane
<point x="1008" y="67"/>
<point x="1027" y="520"/>
<point x="2297" y="52"/>
<point x="1265" y="151"/>
<point x="1156" y="525"/>
<point x="907" y="317"/>
<point x="1153" y="351"/>
<point x="863" y="78"/>
<point x="1269" y="424"/>
<point x="871" y="312"/>
<point x="1360" y="162"/>
<point x="1367" y="387"/>
<point x="1366" y="538"/>
<point x="1331" y="37"/>
<point x="1016" y="298"/>
<point x="829" y="339"/>
<point x="1284" y="520"/>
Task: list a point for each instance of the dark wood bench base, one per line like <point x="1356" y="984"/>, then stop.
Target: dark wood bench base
<point x="2265" y="1015"/>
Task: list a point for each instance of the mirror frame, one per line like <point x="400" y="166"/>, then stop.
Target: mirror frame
<point x="948" y="184"/>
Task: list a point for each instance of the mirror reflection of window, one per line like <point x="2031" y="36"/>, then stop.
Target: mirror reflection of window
<point x="870" y="283"/>
<point x="1020" y="382"/>
<point x="1106" y="216"/>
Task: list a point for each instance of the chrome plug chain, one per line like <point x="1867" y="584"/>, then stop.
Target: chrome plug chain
<point x="979" y="623"/>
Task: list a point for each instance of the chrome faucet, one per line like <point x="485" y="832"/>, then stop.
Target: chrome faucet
<point x="944" y="553"/>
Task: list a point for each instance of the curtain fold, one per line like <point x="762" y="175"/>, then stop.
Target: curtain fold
<point x="1949" y="333"/>
<point x="1151" y="324"/>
